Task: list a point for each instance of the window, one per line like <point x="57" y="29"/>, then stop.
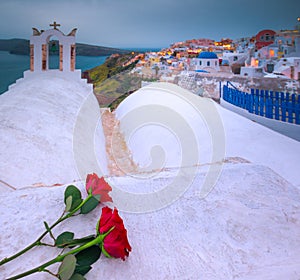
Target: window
<point x="208" y="63"/>
<point x="267" y="37"/>
<point x="200" y="62"/>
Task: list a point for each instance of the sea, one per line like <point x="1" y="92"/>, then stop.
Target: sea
<point x="12" y="66"/>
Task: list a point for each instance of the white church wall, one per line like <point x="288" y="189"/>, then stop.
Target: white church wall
<point x="211" y="65"/>
<point x="43" y="39"/>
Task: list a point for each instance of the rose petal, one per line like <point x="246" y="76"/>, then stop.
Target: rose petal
<point x="116" y="242"/>
<point x="105" y="217"/>
<point x="114" y="221"/>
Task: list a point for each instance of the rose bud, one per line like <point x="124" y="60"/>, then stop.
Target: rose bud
<point x="98" y="186"/>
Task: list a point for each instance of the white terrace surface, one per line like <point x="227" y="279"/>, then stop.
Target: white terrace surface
<point x="247" y="227"/>
<point x="39" y="116"/>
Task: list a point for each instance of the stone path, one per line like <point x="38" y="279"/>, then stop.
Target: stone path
<point x="118" y="155"/>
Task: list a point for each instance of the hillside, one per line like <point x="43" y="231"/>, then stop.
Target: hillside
<point x="115" y="87"/>
<point x="15" y="46"/>
<point x="113" y="79"/>
<point x="113" y="65"/>
<point x="21" y="46"/>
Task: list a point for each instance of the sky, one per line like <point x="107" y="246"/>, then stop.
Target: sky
<point x="147" y="23"/>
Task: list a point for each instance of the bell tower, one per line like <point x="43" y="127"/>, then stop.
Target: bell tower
<point x="39" y="53"/>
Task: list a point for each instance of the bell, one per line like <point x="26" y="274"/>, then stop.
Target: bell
<point x="53" y="47"/>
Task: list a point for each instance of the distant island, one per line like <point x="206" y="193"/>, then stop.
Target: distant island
<point x="21" y="47"/>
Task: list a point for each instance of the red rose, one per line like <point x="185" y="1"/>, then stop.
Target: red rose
<point x="98" y="186"/>
<point x="115" y="243"/>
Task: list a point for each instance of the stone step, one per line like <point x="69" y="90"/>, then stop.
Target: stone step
<point x="15" y="83"/>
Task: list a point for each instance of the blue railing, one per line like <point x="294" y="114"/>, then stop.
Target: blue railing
<point x="273" y="105"/>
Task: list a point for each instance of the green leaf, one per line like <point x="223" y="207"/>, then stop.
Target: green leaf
<point x="77" y="277"/>
<point x="88" y="256"/>
<point x="72" y="191"/>
<point x="80" y="241"/>
<point x="67" y="267"/>
<point x="75" y="193"/>
<point x="64" y="239"/>
<point x="83" y="269"/>
<point x="68" y="203"/>
<point x="90" y="205"/>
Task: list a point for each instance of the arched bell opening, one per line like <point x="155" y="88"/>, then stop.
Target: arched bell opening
<point x="54" y="53"/>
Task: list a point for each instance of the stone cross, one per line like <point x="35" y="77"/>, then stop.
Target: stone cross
<point x="54" y="24"/>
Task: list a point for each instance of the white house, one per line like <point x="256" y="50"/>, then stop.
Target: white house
<point x="289" y="67"/>
<point x="253" y="72"/>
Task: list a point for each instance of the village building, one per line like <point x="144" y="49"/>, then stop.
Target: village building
<point x="252" y="71"/>
<point x="281" y="56"/>
<point x="289" y="67"/>
<point x="226" y="44"/>
<point x="264" y="38"/>
<point x="234" y="58"/>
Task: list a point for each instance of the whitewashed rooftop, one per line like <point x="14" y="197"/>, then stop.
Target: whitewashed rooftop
<point x="245" y="227"/>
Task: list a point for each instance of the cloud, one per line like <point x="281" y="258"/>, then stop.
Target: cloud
<point x="146" y="23"/>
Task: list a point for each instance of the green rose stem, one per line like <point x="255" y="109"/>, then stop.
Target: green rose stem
<point x="41" y="268"/>
<point x="60" y="258"/>
<point x="38" y="241"/>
